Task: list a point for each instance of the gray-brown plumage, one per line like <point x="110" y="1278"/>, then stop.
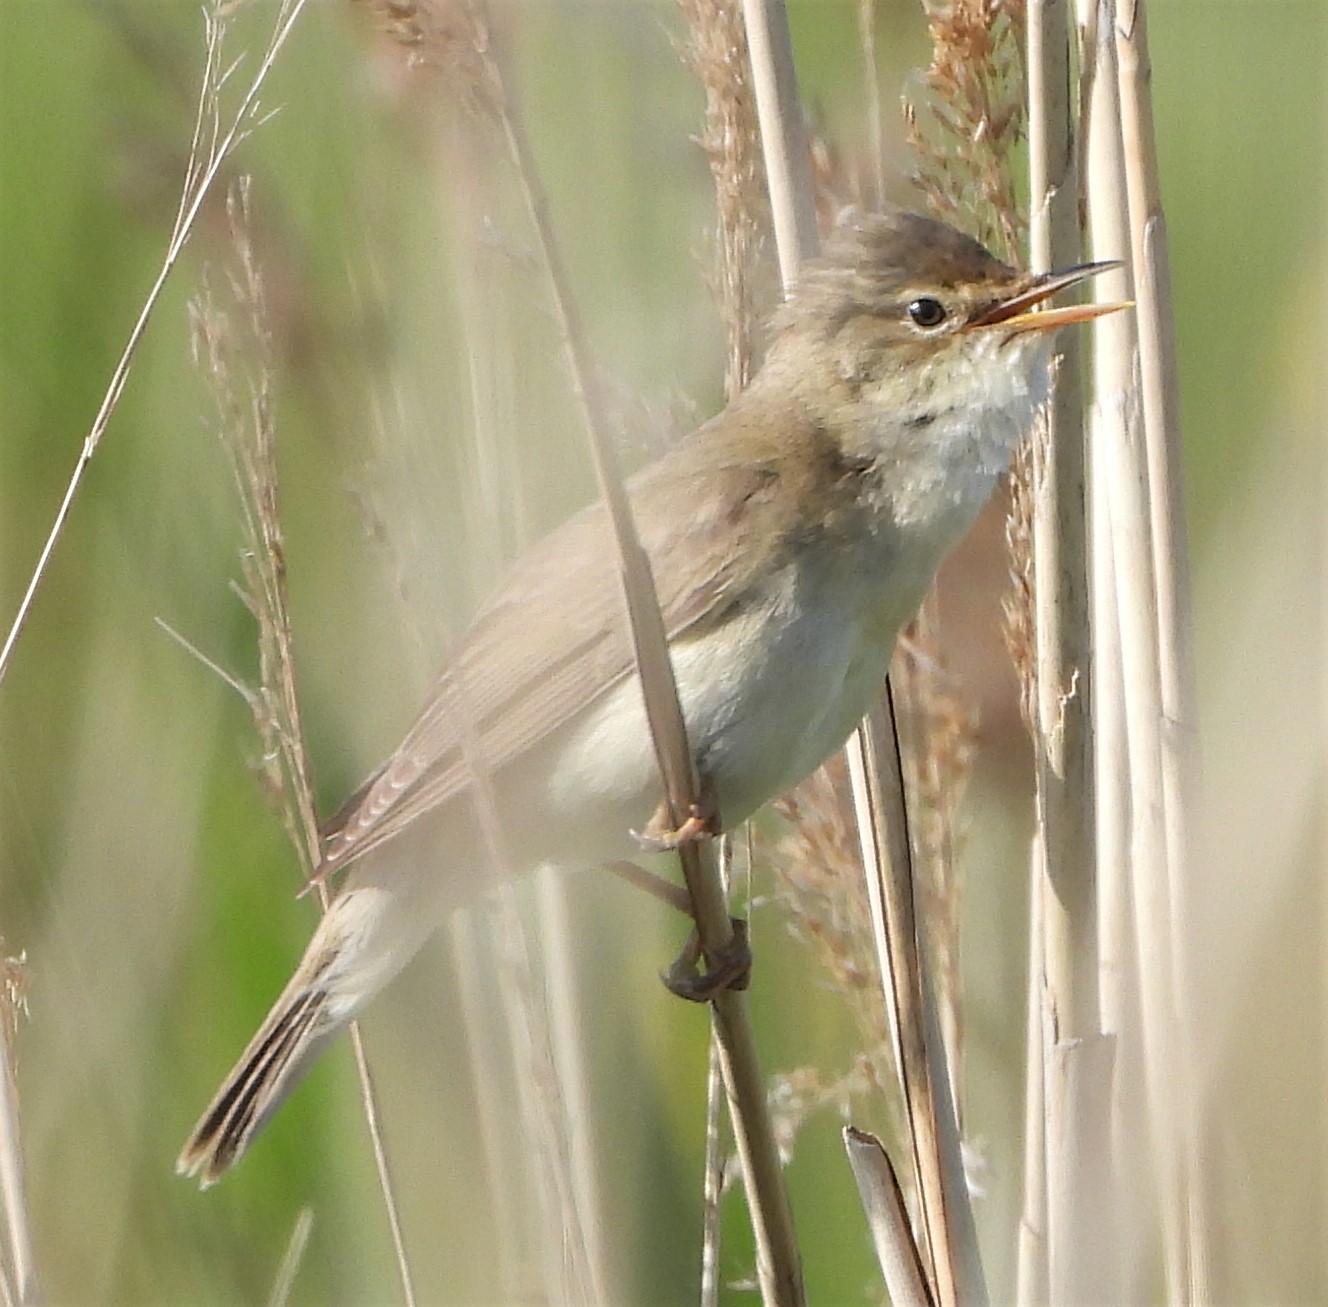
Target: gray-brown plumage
<point x="791" y="537"/>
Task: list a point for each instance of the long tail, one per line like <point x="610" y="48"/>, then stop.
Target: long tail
<point x="278" y="1056"/>
<point x="373" y="928"/>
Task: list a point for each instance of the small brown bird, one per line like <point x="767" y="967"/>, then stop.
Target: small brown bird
<point x="791" y="538"/>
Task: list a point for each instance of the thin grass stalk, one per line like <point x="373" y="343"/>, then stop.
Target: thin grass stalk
<point x="291" y="1259"/>
<point x="650" y="642"/>
<point x="713" y="1185"/>
<point x="22" y="1261"/>
<point x="249" y="433"/>
<point x="778" y="1260"/>
<point x="1171" y="567"/>
<point x="932" y="745"/>
<point x="947" y="1236"/>
<point x="382" y="1162"/>
<point x="1076" y="1100"/>
<point x="887" y="1218"/>
<point x="200" y="175"/>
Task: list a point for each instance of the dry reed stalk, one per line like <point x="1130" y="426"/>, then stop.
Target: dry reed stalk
<point x="778" y="1263"/>
<point x="949" y="1246"/>
<point x="1032" y="1273"/>
<point x="567" y="1043"/>
<point x="1076" y="1061"/>
<point x="1126" y="532"/>
<point x="236" y="360"/>
<point x="947" y="1239"/>
<point x="938" y="732"/>
<point x="783" y="138"/>
<point x="874" y="190"/>
<point x="212" y="144"/>
<point x="1171" y="742"/>
<point x="1115" y="343"/>
<point x="887" y="1217"/>
<point x="713" y="1183"/>
<point x="18" y="1272"/>
<point x="715" y="52"/>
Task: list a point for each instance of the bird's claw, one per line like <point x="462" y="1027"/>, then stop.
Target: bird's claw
<point x="730" y="969"/>
<point x="659" y="836"/>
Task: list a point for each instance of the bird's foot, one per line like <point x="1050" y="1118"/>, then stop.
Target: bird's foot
<point x="730" y="969"/>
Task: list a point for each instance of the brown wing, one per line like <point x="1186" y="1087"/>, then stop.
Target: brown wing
<point x="554" y="637"/>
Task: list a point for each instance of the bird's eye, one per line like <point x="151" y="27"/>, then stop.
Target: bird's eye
<point x="926" y="312"/>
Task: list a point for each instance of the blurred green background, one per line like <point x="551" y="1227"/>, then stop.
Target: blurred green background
<point x="140" y="870"/>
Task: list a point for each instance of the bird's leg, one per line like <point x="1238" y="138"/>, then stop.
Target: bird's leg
<point x="656" y="886"/>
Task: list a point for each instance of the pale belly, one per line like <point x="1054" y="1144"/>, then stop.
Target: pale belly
<point x="767" y="697"/>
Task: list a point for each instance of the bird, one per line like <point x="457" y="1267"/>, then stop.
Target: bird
<point x="791" y="538"/>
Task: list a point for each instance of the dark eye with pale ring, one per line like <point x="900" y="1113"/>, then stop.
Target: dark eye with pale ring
<point x="926" y="312"/>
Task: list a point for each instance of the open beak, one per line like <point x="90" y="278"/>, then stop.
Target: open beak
<point x="1020" y="312"/>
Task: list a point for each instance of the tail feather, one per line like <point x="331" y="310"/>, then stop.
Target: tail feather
<point x="373" y="928"/>
<point x="274" y="1063"/>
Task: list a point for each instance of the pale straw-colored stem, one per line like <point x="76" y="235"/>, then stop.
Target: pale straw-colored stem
<point x="887" y="1218"/>
<point x="292" y="1258"/>
<point x="947" y="1237"/>
<point x="779" y="1268"/>
<point x="1065" y="779"/>
<point x="1075" y="1075"/>
<point x="1124" y="515"/>
<point x="783" y="139"/>
<point x="1115" y="345"/>
<point x="713" y="1187"/>
<point x="867" y="10"/>
<point x="1176" y="740"/>
<point x="1031" y="1273"/>
<point x="949" y="1242"/>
